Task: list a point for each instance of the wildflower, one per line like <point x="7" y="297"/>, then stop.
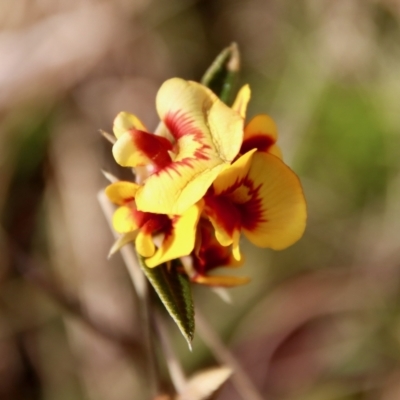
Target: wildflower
<point x="175" y="234"/>
<point x="201" y="139"/>
<point x="260" y="196"/>
<point x="202" y="161"/>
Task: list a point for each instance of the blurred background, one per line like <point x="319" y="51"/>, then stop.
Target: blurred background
<point x="320" y="320"/>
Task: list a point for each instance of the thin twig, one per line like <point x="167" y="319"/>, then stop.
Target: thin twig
<point x="112" y="139"/>
<point x="142" y="290"/>
<point x="175" y="370"/>
<point x="240" y="379"/>
<point x="32" y="271"/>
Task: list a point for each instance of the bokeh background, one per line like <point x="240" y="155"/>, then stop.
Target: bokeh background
<point x="320" y="320"/>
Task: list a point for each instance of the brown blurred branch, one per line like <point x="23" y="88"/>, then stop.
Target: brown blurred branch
<point x="32" y="270"/>
<point x="142" y="290"/>
<point x="240" y="379"/>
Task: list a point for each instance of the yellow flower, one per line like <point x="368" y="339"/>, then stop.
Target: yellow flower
<point x="260" y="196"/>
<point x="202" y="160"/>
<point x="176" y="233"/>
<point x="203" y="136"/>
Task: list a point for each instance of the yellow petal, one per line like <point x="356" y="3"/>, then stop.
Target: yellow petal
<point x="235" y="246"/>
<point x="260" y="195"/>
<point x="121" y="192"/>
<point x="235" y="173"/>
<point x="137" y="147"/>
<point x="123" y="220"/>
<point x="180" y="241"/>
<point x="208" y="136"/>
<point x="170" y="193"/>
<point x="241" y="101"/>
<point x="226" y="236"/>
<point x="122" y="241"/>
<point x="263" y="124"/>
<point x="276" y="151"/>
<point x="261" y="134"/>
<point x="224" y="281"/>
<point x="144" y="244"/>
<point x="124" y="122"/>
<point x="277" y="217"/>
<point x="188" y="107"/>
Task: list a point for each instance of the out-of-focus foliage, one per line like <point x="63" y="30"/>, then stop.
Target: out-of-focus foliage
<point x="320" y="320"/>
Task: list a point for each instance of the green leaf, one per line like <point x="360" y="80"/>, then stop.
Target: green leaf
<point x="174" y="291"/>
<point x="221" y="75"/>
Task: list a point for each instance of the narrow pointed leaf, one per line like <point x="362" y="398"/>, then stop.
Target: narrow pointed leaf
<point x="221" y="75"/>
<point x="174" y="291"/>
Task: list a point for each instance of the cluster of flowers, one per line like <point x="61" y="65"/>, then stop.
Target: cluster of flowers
<point x="207" y="178"/>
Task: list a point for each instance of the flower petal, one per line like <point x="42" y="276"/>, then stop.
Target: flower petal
<point x="209" y="253"/>
<point x="241" y="101"/>
<point x="144" y="244"/>
<point x="124" y="220"/>
<point x="199" y="123"/>
<point x="225" y="219"/>
<point x="224" y="281"/>
<point x="190" y="109"/>
<point x="235" y="173"/>
<point x="260" y="195"/>
<point x="261" y="134"/>
<point x="180" y="241"/>
<point x="173" y="192"/>
<point x="276" y="215"/>
<point x="137" y="147"/>
<point x="124" y="122"/>
<point x="121" y="192"/>
<point x="235" y="246"/>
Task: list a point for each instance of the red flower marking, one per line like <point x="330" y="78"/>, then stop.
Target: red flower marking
<point x="151" y="223"/>
<point x="181" y="125"/>
<point x="154" y="147"/>
<point x="251" y="211"/>
<point x="211" y="254"/>
<point x="258" y="141"/>
<point x="223" y="211"/>
<point x="231" y="214"/>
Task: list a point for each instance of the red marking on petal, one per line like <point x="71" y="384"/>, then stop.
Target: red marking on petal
<point x="251" y="211"/>
<point x="181" y="125"/>
<point x="139" y="217"/>
<point x="210" y="254"/>
<point x="168" y="227"/>
<point x="223" y="211"/>
<point x="156" y="223"/>
<point x="260" y="141"/>
<point x="128" y="200"/>
<point x="231" y="214"/>
<point x="153" y="147"/>
<point x="150" y="222"/>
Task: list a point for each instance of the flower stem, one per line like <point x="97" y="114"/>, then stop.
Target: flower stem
<point x="142" y="289"/>
<point x="176" y="373"/>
